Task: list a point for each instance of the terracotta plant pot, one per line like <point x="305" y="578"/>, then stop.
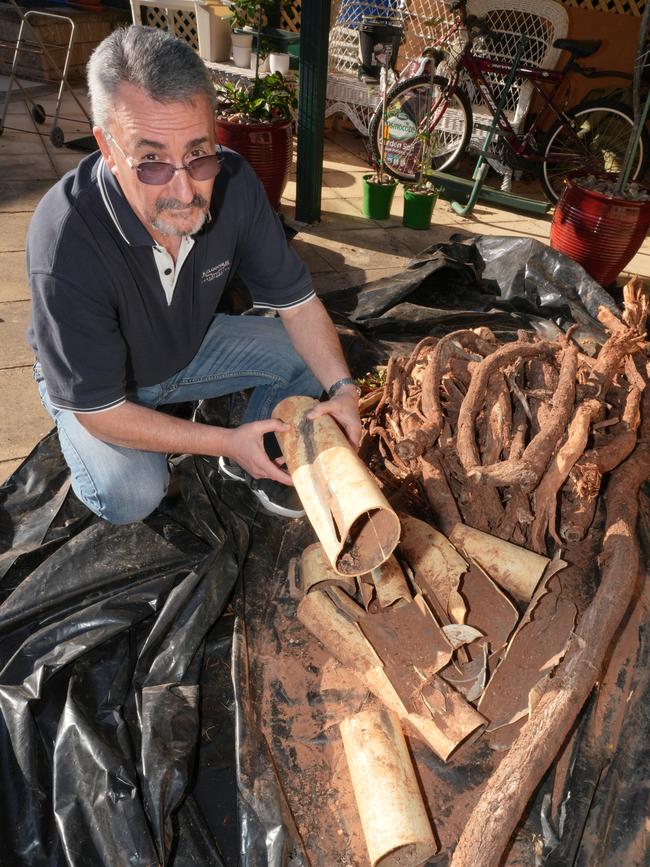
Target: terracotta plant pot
<point x="600" y="232"/>
<point x="267" y="145"/>
<point x="377" y="198"/>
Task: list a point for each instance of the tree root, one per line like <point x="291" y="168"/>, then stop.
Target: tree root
<point x="498" y="419"/>
<point x="584" y="481"/>
<point x="464" y="344"/>
<point x="495" y="817"/>
<point x="557" y="472"/>
<point x="527" y="470"/>
<point x="438" y="493"/>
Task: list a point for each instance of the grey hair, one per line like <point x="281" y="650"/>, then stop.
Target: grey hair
<point x="164" y="67"/>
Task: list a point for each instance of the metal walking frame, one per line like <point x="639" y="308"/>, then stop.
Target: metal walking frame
<point x="29" y="40"/>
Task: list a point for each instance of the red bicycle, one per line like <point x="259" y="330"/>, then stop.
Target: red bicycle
<point x="427" y="109"/>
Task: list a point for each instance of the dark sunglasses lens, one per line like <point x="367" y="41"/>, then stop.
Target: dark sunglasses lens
<point x="201" y="169"/>
<point x="204" y="168"/>
<point x="155" y="173"/>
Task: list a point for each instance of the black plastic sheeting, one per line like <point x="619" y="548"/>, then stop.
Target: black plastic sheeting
<point x="129" y="726"/>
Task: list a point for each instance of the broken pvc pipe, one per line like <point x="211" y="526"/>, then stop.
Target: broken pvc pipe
<point x="393" y="816"/>
<point x="354" y="522"/>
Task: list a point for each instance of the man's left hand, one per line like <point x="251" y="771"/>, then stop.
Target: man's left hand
<point x="344" y="408"/>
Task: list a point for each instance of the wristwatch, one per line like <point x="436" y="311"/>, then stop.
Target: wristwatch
<point x="347" y="380"/>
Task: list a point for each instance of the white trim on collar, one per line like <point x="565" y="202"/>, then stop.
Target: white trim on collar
<point x="101" y="183"/>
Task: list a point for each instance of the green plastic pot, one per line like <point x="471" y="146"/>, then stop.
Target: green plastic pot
<point x="418" y="207"/>
<point x="377" y="198"/>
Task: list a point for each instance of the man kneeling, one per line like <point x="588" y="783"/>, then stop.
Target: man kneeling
<point x="128" y="257"/>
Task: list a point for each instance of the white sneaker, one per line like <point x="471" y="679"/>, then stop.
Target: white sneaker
<point x="274" y="497"/>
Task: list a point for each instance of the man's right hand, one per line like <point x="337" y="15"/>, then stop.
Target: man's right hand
<point x="245" y="446"/>
<point x="139" y="427"/>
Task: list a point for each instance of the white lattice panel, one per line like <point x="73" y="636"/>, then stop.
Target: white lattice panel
<point x="180" y="22"/>
<point x="290" y="18"/>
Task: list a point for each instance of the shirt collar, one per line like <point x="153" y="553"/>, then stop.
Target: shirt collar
<point x="119" y="210"/>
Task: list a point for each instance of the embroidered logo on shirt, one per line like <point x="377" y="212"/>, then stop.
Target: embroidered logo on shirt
<point x="215" y="272"/>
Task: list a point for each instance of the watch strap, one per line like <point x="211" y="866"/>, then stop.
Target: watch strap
<point x="347" y="380"/>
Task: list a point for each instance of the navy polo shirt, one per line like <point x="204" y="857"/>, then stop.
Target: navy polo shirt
<point x="107" y="317"/>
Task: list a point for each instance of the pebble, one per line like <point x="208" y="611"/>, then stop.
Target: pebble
<point x="633" y="191"/>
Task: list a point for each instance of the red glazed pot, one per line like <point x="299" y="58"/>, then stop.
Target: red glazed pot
<point x="267" y="145"/>
<point x="602" y="233"/>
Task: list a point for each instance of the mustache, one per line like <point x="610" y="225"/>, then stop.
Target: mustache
<point x="176" y="205"/>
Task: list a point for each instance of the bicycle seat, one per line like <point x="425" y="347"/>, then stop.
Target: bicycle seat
<point x="579" y="47"/>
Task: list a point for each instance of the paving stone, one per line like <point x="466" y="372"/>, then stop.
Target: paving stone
<point x="341" y="213"/>
<point x="13" y="279"/>
<point x="37" y="167"/>
<point x="363" y="248"/>
<point x="14" y="349"/>
<point x="342" y="160"/>
<point x="312" y="256"/>
<point x="67" y="161"/>
<point x="332" y="281"/>
<point x="345" y="184"/>
<point x="7" y="468"/>
<point x="13" y="229"/>
<point x="640" y="264"/>
<point x="289" y="194"/>
<point x="21" y="144"/>
<point x="23" y="421"/>
<point x="16" y="195"/>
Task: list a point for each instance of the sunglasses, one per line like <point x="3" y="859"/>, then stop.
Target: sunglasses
<point x="158" y="173"/>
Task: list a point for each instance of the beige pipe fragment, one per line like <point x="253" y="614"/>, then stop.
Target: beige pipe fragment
<point x="353" y="520"/>
<point x="316" y="572"/>
<point x="517" y="570"/>
<point x="393" y="817"/>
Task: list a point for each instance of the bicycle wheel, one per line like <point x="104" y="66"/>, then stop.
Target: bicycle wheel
<point x="603" y="130"/>
<point x="406" y="109"/>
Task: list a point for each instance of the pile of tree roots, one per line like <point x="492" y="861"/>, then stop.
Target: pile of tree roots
<point x="544" y="444"/>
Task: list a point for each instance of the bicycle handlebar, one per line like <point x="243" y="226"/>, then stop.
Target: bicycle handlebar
<point x="474" y="25"/>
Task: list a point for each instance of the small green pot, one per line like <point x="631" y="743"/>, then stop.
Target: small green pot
<point x="377" y="198"/>
<point x="418" y="207"/>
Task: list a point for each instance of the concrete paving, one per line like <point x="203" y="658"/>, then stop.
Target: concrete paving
<point x="343" y="249"/>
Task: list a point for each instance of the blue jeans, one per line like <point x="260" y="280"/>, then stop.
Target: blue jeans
<point x="238" y="352"/>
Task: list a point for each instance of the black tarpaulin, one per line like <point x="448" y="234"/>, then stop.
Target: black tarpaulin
<point x="135" y="661"/>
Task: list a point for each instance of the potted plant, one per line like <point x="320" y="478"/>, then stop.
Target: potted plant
<point x="379" y="187"/>
<point x="601" y="226"/>
<point x="601" y="222"/>
<point x="245" y="18"/>
<point x="378" y="191"/>
<point x="420" y="197"/>
<point x="255" y="119"/>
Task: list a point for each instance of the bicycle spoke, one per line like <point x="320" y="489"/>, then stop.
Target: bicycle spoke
<point x="596" y="146"/>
